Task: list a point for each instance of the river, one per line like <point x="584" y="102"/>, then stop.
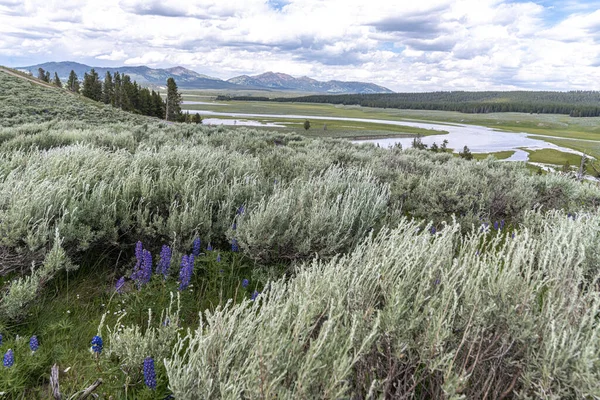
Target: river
<point x="479" y="139"/>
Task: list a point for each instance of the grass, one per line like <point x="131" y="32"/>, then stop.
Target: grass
<point x="499" y="155"/>
<point x="67" y="314"/>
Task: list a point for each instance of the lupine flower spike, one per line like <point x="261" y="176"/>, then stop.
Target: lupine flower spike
<point x="97" y="344"/>
<point x="234" y="245"/>
<point x="254" y="295"/>
<point x="120" y="285"/>
<point x="149" y="373"/>
<point x="0" y="339"/>
<point x="185" y="273"/>
<point x="165" y="261"/>
<point x="245" y="283"/>
<point x="209" y="247"/>
<point x="218" y="258"/>
<point x="196" y="247"/>
<point x="9" y="358"/>
<point x="34" y="344"/>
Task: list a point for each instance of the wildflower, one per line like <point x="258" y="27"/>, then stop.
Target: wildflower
<point x="512" y="235"/>
<point x="240" y="210"/>
<point x="234" y="245"/>
<point x="209" y="247"/>
<point x="245" y="283"/>
<point x="139" y="248"/>
<point x="34" y="344"/>
<point x="234" y="226"/>
<point x="196" y="247"/>
<point x="142" y="272"/>
<point x="501" y="224"/>
<point x="165" y="261"/>
<point x="185" y="273"/>
<point x="9" y="358"/>
<point x="97" y="344"/>
<point x="120" y="284"/>
<point x="149" y="373"/>
<point x="496" y="226"/>
<point x="254" y="295"/>
<point x="432" y="230"/>
<point x="218" y="258"/>
<point x="0" y="339"/>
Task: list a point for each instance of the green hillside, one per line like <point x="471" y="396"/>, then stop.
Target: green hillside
<point x="220" y="263"/>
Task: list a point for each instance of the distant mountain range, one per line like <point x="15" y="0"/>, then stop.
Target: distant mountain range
<point x="187" y="79"/>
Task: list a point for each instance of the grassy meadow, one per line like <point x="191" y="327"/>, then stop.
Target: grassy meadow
<point x="207" y="262"/>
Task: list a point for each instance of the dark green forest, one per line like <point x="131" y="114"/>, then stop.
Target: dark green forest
<point x="574" y="103"/>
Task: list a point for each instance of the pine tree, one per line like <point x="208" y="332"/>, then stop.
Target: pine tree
<point x="173" y="111"/>
<point x="466" y="154"/>
<point x="197" y="118"/>
<point x="158" y="105"/>
<point x="118" y="87"/>
<point x="47" y="77"/>
<point x="108" y="90"/>
<point x="92" y="87"/>
<point x="73" y="82"/>
<point x="41" y="74"/>
<point x="57" y="81"/>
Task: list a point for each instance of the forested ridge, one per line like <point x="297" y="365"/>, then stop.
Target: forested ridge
<point x="573" y="103"/>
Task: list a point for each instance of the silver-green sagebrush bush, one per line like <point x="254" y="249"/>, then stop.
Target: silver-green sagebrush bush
<point x="325" y="215"/>
<point x="413" y="314"/>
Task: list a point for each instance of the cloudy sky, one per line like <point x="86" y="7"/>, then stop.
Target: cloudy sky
<point x="406" y="45"/>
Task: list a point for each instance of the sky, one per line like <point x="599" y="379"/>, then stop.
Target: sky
<point x="416" y="45"/>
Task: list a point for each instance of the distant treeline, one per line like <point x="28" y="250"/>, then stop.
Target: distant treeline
<point x="574" y="103"/>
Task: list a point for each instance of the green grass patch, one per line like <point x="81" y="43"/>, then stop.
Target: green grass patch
<point x="499" y="155"/>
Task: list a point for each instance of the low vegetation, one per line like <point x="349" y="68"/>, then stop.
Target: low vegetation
<point x="202" y="262"/>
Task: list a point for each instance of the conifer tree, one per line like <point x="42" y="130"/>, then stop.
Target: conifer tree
<point x="47" y="77"/>
<point x="41" y="74"/>
<point x="92" y="87"/>
<point x="108" y="89"/>
<point x="118" y="88"/>
<point x="73" y="82"/>
<point x="57" y="81"/>
<point x="173" y="106"/>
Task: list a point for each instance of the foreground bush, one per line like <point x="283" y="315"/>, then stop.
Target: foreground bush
<point x="410" y="314"/>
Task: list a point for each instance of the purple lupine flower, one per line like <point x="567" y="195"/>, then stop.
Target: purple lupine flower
<point x="149" y="373"/>
<point x="145" y="273"/>
<point x="234" y="226"/>
<point x="502" y="224"/>
<point x="139" y="252"/>
<point x="512" y="235"/>
<point x="241" y="209"/>
<point x="196" y="247"/>
<point x="254" y="295"/>
<point x="496" y="225"/>
<point x="245" y="283"/>
<point x="165" y="261"/>
<point x="97" y="344"/>
<point x="432" y="230"/>
<point x="209" y="247"/>
<point x="0" y="339"/>
<point x="34" y="344"/>
<point x="234" y="245"/>
<point x="185" y="273"/>
<point x="120" y="285"/>
<point x="9" y="358"/>
<point x="218" y="257"/>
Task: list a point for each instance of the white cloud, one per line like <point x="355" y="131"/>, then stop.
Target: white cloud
<point x="421" y="45"/>
<point x="115" y="55"/>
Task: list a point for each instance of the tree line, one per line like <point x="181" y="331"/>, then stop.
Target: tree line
<point x="120" y="91"/>
<point x="573" y="103"/>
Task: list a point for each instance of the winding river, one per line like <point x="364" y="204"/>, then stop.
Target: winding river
<point x="479" y="139"/>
